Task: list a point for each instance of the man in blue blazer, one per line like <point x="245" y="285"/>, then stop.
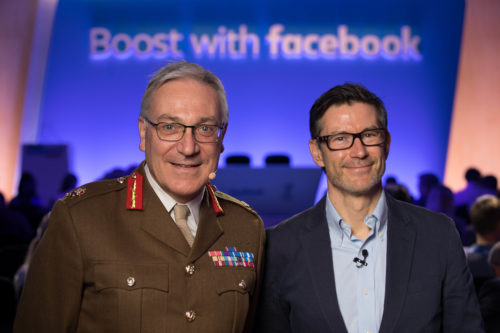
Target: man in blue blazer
<point x="360" y="261"/>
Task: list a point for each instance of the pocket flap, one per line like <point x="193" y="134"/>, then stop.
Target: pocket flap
<point x="235" y="279"/>
<point x="131" y="276"/>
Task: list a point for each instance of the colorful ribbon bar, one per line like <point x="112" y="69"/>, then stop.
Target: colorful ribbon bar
<point x="231" y="257"/>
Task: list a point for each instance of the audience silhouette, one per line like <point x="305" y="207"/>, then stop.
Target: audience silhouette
<point x="475" y="210"/>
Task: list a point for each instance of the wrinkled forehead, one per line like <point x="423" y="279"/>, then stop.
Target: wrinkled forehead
<point x="186" y="98"/>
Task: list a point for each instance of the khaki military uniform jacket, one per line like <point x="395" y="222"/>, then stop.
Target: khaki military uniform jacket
<point x="104" y="268"/>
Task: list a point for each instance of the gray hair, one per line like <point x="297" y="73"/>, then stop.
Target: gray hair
<point x="180" y="70"/>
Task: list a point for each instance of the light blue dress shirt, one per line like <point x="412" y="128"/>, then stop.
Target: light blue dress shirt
<point x="360" y="290"/>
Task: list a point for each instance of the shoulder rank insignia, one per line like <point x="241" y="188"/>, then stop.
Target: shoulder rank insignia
<point x="231" y="257"/>
<point x="213" y="200"/>
<point x="134" y="191"/>
<point x="76" y="192"/>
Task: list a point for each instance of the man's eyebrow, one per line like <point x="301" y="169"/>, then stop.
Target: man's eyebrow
<point x="164" y="117"/>
<point x="178" y="120"/>
<point x="345" y="132"/>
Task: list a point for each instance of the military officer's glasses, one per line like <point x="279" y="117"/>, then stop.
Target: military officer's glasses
<point x="343" y="140"/>
<point x="202" y="133"/>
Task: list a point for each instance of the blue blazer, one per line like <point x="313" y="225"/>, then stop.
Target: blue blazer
<point x="428" y="285"/>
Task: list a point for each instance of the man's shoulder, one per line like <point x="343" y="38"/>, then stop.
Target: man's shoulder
<point x="412" y="211"/>
<point x="301" y="222"/>
<point x="226" y="199"/>
<point x="95" y="191"/>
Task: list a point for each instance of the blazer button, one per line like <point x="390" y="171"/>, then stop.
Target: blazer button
<point x="189" y="269"/>
<point x="130" y="281"/>
<point x="190" y="316"/>
<point x="243" y="285"/>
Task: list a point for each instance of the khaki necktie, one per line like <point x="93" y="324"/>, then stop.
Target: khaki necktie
<point x="181" y="212"/>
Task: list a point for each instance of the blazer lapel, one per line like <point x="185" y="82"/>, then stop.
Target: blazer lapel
<point x="400" y="244"/>
<point x="316" y="242"/>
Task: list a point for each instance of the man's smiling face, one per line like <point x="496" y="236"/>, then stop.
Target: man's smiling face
<point x="181" y="168"/>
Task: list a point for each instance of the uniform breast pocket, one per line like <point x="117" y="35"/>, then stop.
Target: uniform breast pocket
<point x="235" y="279"/>
<point x="129" y="295"/>
<point x="234" y="287"/>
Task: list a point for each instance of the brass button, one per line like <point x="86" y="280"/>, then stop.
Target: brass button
<point x="189" y="269"/>
<point x="243" y="285"/>
<point x="130" y="281"/>
<point x="190" y="316"/>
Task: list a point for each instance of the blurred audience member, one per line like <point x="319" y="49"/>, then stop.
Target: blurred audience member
<point x="440" y="199"/>
<point x="485" y="218"/>
<point x="20" y="275"/>
<point x="14" y="227"/>
<point x="397" y="191"/>
<point x="426" y="182"/>
<point x="489" y="295"/>
<point x="473" y="190"/>
<point x="490" y="184"/>
<point x="68" y="183"/>
<point x="27" y="202"/>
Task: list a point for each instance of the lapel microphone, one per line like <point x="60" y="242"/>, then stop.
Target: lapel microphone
<point x="361" y="262"/>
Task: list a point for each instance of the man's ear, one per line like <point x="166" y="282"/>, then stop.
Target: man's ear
<point x="387" y="144"/>
<point x="222" y="138"/>
<point x="316" y="153"/>
<point x="142" y="133"/>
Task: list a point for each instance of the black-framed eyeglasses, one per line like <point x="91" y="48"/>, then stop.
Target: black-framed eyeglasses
<point x="344" y="140"/>
<point x="203" y="133"/>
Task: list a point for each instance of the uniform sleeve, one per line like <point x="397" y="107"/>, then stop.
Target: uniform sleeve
<point x="51" y="298"/>
<point x="252" y="312"/>
<point x="460" y="305"/>
<point x="273" y="314"/>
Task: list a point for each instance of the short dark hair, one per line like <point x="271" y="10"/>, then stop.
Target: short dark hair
<point x="472" y="174"/>
<point x="347" y="93"/>
<point x="485" y="214"/>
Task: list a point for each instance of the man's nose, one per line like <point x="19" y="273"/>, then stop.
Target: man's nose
<point x="188" y="145"/>
<point x="358" y="149"/>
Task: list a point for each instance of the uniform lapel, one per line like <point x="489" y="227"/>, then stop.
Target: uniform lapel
<point x="400" y="244"/>
<point x="316" y="242"/>
<point x="156" y="221"/>
<point x="209" y="230"/>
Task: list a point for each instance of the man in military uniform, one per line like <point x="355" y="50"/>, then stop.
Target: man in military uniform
<point x="160" y="250"/>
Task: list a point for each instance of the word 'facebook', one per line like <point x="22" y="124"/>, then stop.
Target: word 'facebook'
<point x="242" y="44"/>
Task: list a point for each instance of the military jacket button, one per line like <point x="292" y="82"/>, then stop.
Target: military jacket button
<point x="190" y="315"/>
<point x="243" y="285"/>
<point x="189" y="269"/>
<point x="130" y="281"/>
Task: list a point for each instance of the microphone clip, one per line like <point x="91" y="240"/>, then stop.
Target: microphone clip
<point x="361" y="262"/>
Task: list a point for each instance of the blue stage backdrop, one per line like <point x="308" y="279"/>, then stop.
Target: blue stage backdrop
<point x="274" y="58"/>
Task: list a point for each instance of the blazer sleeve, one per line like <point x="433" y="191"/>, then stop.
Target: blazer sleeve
<point x="51" y="297"/>
<point x="460" y="305"/>
<point x="254" y="302"/>
<point x="273" y="313"/>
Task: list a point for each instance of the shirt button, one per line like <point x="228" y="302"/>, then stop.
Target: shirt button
<point x="365" y="292"/>
<point x="190" y="316"/>
<point x="339" y="239"/>
<point x="189" y="269"/>
<point x="380" y="234"/>
<point x="130" y="281"/>
<point x="368" y="331"/>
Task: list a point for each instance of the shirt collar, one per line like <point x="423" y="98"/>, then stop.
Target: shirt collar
<point x="169" y="202"/>
<point x="377" y="221"/>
